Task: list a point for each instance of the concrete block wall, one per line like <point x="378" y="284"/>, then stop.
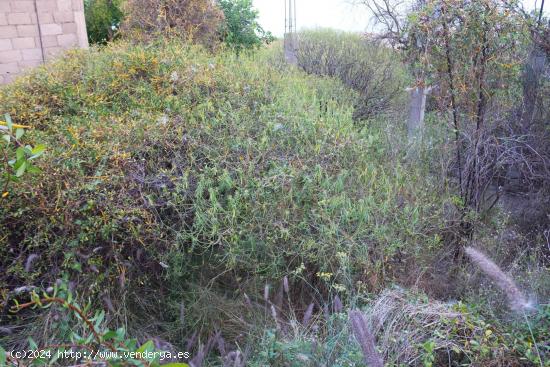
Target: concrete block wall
<point x="35" y="31"/>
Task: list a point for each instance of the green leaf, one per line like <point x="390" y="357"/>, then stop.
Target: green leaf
<point x="39" y="362"/>
<point x="21" y="170"/>
<point x="32" y="344"/>
<point x="99" y="319"/>
<point x="38" y="151"/>
<point x="55" y="357"/>
<point x="89" y="339"/>
<point x="120" y="334"/>
<point x="3" y="357"/>
<point x="33" y="169"/>
<point x="109" y="335"/>
<point x="9" y="122"/>
<point x="20" y="153"/>
<point x="77" y="338"/>
<point x="146" y="347"/>
<point x="7" y="138"/>
<point x="17" y="163"/>
<point x="19" y="133"/>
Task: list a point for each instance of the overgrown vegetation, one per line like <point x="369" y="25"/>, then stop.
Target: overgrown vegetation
<point x="191" y="20"/>
<point x="185" y="198"/>
<point x="231" y="22"/>
<point x="361" y="63"/>
<point x="198" y="186"/>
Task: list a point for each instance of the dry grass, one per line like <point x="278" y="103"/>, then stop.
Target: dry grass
<point x="401" y="326"/>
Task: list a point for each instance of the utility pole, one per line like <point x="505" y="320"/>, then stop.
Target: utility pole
<point x="291" y="39"/>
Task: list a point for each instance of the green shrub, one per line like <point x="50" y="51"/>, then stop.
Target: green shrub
<point x="167" y="160"/>
<point x="16" y="157"/>
<point x="363" y="64"/>
<point x="79" y="337"/>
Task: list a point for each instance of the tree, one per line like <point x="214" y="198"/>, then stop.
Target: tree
<point x="473" y="52"/>
<point x="241" y="30"/>
<point x="196" y="21"/>
<point x="103" y="19"/>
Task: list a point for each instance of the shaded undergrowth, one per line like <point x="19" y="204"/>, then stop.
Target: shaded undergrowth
<point x="178" y="183"/>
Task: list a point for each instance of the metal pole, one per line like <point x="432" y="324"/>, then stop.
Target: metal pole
<point x="39" y="32"/>
<point x="286" y="18"/>
<point x="294" y="16"/>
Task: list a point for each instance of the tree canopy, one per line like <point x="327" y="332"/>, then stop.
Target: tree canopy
<point x="241" y="29"/>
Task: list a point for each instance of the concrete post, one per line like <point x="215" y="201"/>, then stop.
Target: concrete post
<point x="417" y="107"/>
<point x="291" y="46"/>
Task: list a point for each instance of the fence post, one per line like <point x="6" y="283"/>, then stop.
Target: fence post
<point x="533" y="71"/>
<point x="417" y="107"/>
<point x="290" y="45"/>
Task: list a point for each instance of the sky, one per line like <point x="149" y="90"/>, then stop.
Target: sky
<point x="338" y="14"/>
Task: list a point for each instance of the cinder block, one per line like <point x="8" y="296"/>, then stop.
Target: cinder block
<point x="69" y="28"/>
<point x="22" y="6"/>
<point x="81" y="33"/>
<point x="25" y="64"/>
<point x="63" y="16"/>
<point x="52" y="52"/>
<point x="45" y="17"/>
<point x="51" y="29"/>
<point x="78" y="5"/>
<point x="5" y="6"/>
<point x="32" y="54"/>
<point x="65" y="5"/>
<point x="8" y="31"/>
<point x="9" y="68"/>
<point x="49" y="41"/>
<point x="3" y="19"/>
<point x="8" y="78"/>
<point x="27" y="30"/>
<point x="67" y="40"/>
<point x="46" y="6"/>
<point x="19" y="18"/>
<point x="22" y="43"/>
<point x="10" y="56"/>
<point x="5" y="45"/>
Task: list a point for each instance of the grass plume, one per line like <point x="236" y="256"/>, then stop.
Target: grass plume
<point x="365" y="339"/>
<point x="516" y="299"/>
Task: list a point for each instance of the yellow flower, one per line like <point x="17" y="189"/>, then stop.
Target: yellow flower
<point x="339" y="288"/>
<point x="323" y="275"/>
<point x="17" y="126"/>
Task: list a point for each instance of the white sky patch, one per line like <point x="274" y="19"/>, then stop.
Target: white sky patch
<point x="338" y="14"/>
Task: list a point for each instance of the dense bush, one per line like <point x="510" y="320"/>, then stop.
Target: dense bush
<point x="208" y="165"/>
<point x="363" y="64"/>
<point x="198" y="21"/>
